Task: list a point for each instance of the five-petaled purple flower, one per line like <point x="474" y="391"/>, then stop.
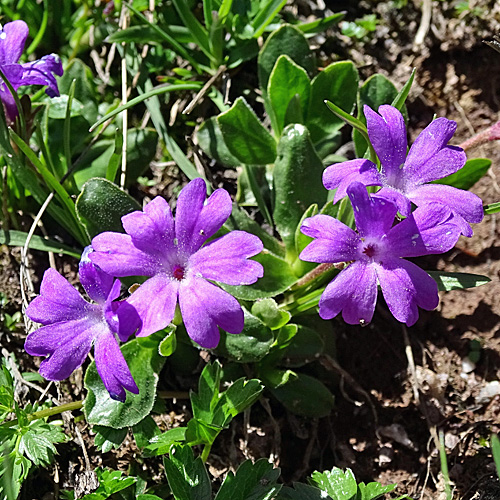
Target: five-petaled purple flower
<point x="376" y="251"/>
<point x="406" y="179"/>
<point x="73" y="325"/>
<point x="12" y="39"/>
<point x="171" y="253"/>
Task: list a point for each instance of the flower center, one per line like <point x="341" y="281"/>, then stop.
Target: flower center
<point x="178" y="272"/>
<point x="369" y="250"/>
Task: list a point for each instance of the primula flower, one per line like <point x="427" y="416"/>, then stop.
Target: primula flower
<point x="376" y="251"/>
<point x="73" y="325"/>
<point x="41" y="72"/>
<point x="171" y="253"/>
<point x="405" y="179"/>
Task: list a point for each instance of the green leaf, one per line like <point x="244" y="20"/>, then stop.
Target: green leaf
<point x="145" y="431"/>
<point x="199" y="432"/>
<point x="303" y="492"/>
<point x="37" y="443"/>
<point x="196" y="29"/>
<point x="141" y="150"/>
<point x="297" y="182"/>
<point x="372" y="491"/>
<point x="358" y="125"/>
<point x="268" y="311"/>
<point x="286" y="40"/>
<point x="400" y="99"/>
<point x="377" y="90"/>
<point x="101" y="205"/>
<point x="337" y="83"/>
<point x="187" y="477"/>
<point x="265" y="15"/>
<point x="84" y="92"/>
<point x="468" y="175"/>
<point x="305" y="395"/>
<point x="305" y="346"/>
<point x="252" y="481"/>
<point x="205" y="400"/>
<point x="239" y="396"/>
<point x="145" y="364"/>
<point x="18" y="239"/>
<point x="110" y="482"/>
<point x="251" y="345"/>
<point x="169" y="343"/>
<point x="57" y="107"/>
<point x="160" y="445"/>
<point x="278" y="277"/>
<point x="245" y="136"/>
<point x="457" y="281"/>
<point x="107" y="438"/>
<point x="287" y="80"/>
<point x="320" y="25"/>
<point x="495" y="450"/>
<point x="212" y="143"/>
<point x="492" y="208"/>
<point x="339" y="485"/>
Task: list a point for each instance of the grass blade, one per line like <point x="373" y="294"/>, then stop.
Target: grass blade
<point x="170" y="40"/>
<point x="18" y="239"/>
<point x="200" y="34"/>
<point x="71" y="223"/>
<point x="154" y="91"/>
<point x="266" y="15"/>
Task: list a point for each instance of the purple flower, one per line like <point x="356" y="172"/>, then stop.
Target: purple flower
<point x="73" y="325"/>
<point x="12" y="39"/>
<point x="171" y="253"/>
<point x="376" y="251"/>
<point x="405" y="179"/>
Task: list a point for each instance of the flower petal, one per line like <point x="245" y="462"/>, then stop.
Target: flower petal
<point x="96" y="282"/>
<point x="40" y="72"/>
<point x="335" y="242"/>
<point x="226" y="259"/>
<point x="395" y="197"/>
<point x="405" y="286"/>
<point x="112" y="367"/>
<point x="152" y="231"/>
<point x="12" y="39"/>
<point x="340" y="175"/>
<point x="67" y="344"/>
<point x="155" y="302"/>
<point x="428" y="144"/>
<point x="116" y="254"/>
<point x="374" y="216"/>
<point x="354" y="292"/>
<point x="58" y="301"/>
<point x="196" y="222"/>
<point x="445" y="162"/>
<point x="122" y="318"/>
<point x="204" y="307"/>
<point x="387" y="133"/>
<point x="463" y="204"/>
<point x="429" y="230"/>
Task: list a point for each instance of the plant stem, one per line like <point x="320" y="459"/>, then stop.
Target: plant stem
<point x="49" y="412"/>
<point x="206" y="452"/>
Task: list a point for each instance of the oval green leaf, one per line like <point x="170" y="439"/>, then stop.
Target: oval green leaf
<point x="99" y="408"/>
<point x="101" y="205"/>
<point x="244" y="135"/>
